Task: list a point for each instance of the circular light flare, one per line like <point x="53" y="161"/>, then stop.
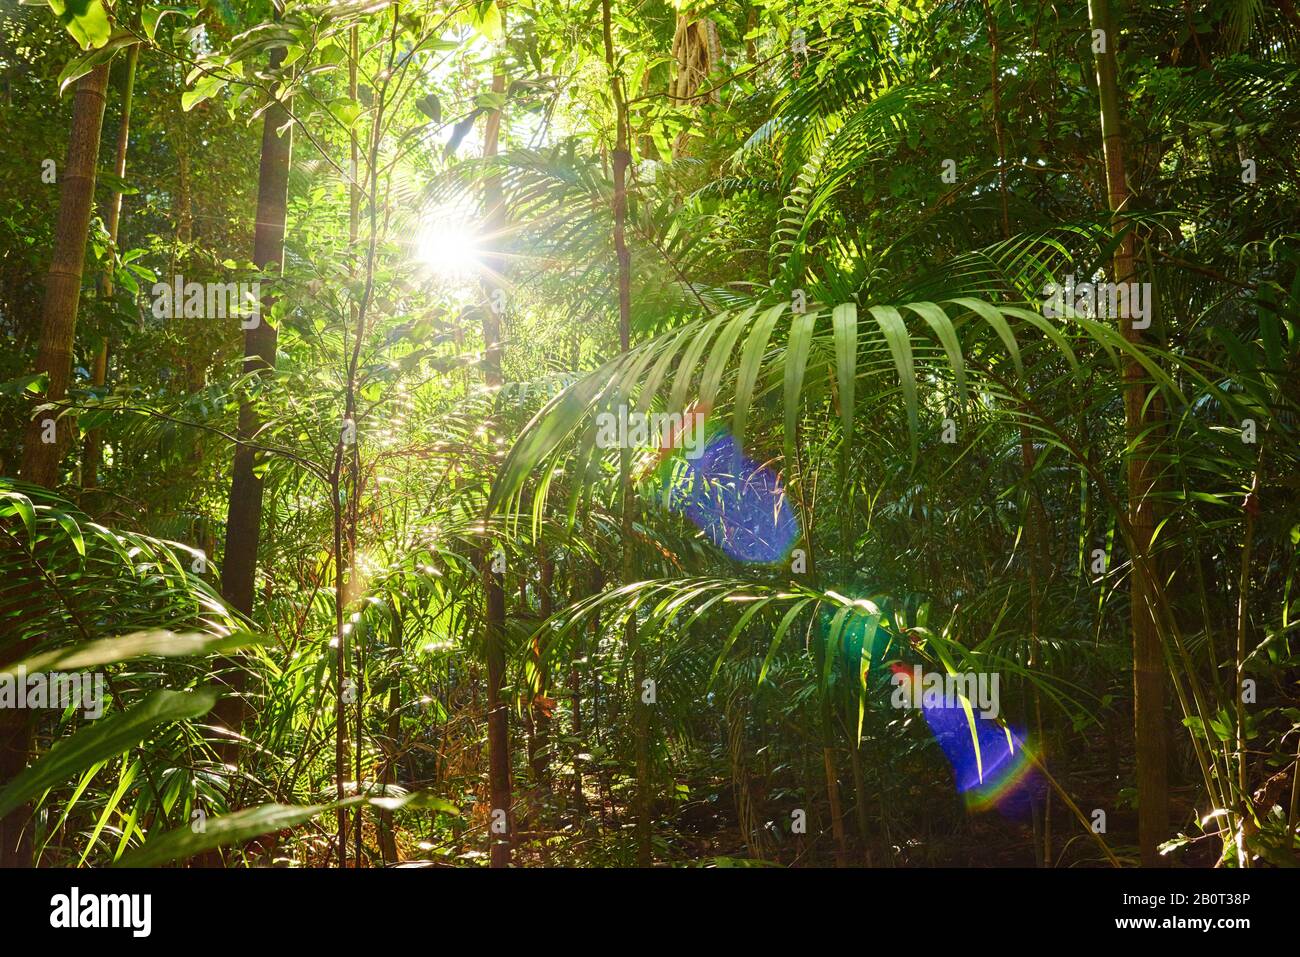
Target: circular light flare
<point x="447" y="243"/>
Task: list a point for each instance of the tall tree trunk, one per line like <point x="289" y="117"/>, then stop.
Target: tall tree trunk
<point x="40" y="463"/>
<point x="345" y="544"/>
<point x="640" y="707"/>
<point x="346" y="471"/>
<point x="597" y="582"/>
<point x="1148" y="656"/>
<point x="244" y="511"/>
<point x="93" y="449"/>
<point x="494" y="636"/>
<point x="63" y="286"/>
<point x="697" y="51"/>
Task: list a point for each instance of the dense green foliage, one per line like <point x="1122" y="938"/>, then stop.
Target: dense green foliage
<point x="839" y="243"/>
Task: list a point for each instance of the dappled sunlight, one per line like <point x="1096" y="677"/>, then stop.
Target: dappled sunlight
<point x="483" y="434"/>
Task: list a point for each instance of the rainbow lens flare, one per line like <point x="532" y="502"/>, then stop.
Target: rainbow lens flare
<point x="992" y="764"/>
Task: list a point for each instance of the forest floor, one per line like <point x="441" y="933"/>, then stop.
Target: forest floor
<point x="925" y="826"/>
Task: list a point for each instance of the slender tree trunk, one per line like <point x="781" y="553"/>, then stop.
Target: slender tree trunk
<point x="387" y="835"/>
<point x="40" y="463"/>
<point x="860" y="798"/>
<point x="833" y="781"/>
<point x="244" y="510"/>
<point x="539" y="758"/>
<point x="1245" y="826"/>
<point x="183" y="213"/>
<point x="184" y="200"/>
<point x="1148" y="655"/>
<point x="575" y="695"/>
<point x="1036" y="550"/>
<point x="995" y="86"/>
<point x="93" y="449"/>
<point x="345" y="545"/>
<point x="640" y="707"/>
<point x="494" y="637"/>
<point x="837" y="813"/>
<point x="346" y="470"/>
<point x="575" y="688"/>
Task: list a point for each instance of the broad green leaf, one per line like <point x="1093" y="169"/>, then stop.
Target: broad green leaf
<point x="86" y="20"/>
<point x="221" y="830"/>
<point x="719" y="358"/>
<point x="157" y="643"/>
<point x="150" y="17"/>
<point x="1045" y="326"/>
<point x="780" y="632"/>
<point x="103" y="739"/>
<point x="487" y="20"/>
<point x="750" y="362"/>
<point x="80" y="65"/>
<point x="943" y="328"/>
<point x="796" y="363"/>
<point x="686" y="369"/>
<point x="834" y="640"/>
<point x="206" y="87"/>
<point x="844" y="324"/>
<point x="430" y="106"/>
<point x="346" y="111"/>
<point x="994" y="318"/>
<point x="72" y="530"/>
<point x="735" y="632"/>
<point x="11" y="502"/>
<point x="900" y="347"/>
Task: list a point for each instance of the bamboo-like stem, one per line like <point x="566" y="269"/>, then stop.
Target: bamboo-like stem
<point x="1243" y="603"/>
<point x="1148" y="654"/>
<point x="499" y="782"/>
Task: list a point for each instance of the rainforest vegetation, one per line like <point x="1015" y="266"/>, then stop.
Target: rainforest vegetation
<point x="697" y="433"/>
